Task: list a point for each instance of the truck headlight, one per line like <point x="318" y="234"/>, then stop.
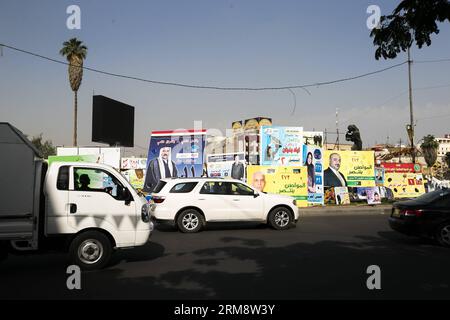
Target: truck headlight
<point x="144" y="213"/>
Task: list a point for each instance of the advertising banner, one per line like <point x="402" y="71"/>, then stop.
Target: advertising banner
<point x="177" y="153"/>
<point x="379" y="176"/>
<point x="401" y="167"/>
<point x="349" y="168"/>
<point x="405" y="185"/>
<point x="133" y="163"/>
<point x="313" y="156"/>
<point x="313" y="138"/>
<point x="93" y="158"/>
<point x="227" y="165"/>
<point x="256" y="123"/>
<point x="341" y="195"/>
<point x="281" y="146"/>
<point x="286" y="180"/>
<point x="373" y="195"/>
<point x="135" y="177"/>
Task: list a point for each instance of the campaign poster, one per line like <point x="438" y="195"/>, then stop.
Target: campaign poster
<point x="285" y="180"/>
<point x="373" y="195"/>
<point x="349" y="168"/>
<point x="341" y="195"/>
<point x="282" y="146"/>
<point x="313" y="138"/>
<point x="405" y="185"/>
<point x="133" y="163"/>
<point x="379" y="176"/>
<point x="313" y="156"/>
<point x="227" y="166"/>
<point x="172" y="154"/>
<point x="135" y="177"/>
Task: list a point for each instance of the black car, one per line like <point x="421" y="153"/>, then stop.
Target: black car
<point x="425" y="216"/>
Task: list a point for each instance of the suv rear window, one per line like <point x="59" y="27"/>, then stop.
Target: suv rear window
<point x="184" y="187"/>
<point x="159" y="186"/>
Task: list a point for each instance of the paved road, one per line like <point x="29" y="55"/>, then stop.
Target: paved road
<point x="324" y="257"/>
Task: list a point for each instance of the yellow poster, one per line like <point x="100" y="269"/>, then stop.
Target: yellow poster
<point x="349" y="168"/>
<point x="404" y="185"/>
<point x="285" y="180"/>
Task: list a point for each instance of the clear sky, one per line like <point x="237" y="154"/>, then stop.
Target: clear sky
<point x="248" y="43"/>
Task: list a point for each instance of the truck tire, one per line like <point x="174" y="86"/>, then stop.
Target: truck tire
<point x="90" y="250"/>
<point x="3" y="254"/>
<point x="443" y="234"/>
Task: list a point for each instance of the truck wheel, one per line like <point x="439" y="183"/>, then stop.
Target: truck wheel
<point x="280" y="218"/>
<point x="90" y="250"/>
<point x="443" y="234"/>
<point x="3" y="252"/>
<point x="190" y="221"/>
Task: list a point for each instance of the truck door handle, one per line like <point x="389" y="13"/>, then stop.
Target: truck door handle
<point x="236" y="200"/>
<point x="201" y="199"/>
<point x="73" y="207"/>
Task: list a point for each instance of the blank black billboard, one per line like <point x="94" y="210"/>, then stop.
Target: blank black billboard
<point x="112" y="122"/>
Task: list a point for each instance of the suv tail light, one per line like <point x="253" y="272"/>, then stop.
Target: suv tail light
<point x="411" y="213"/>
<point x="158" y="199"/>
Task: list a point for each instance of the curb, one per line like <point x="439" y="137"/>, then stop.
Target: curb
<point x="346" y="210"/>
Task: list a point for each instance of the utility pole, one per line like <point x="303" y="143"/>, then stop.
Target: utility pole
<point x="337" y="128"/>
<point x="410" y="128"/>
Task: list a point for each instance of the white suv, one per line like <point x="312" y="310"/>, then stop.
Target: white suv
<point x="190" y="203"/>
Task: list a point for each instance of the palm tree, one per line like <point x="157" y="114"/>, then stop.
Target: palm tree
<point x="75" y="52"/>
<point x="429" y="150"/>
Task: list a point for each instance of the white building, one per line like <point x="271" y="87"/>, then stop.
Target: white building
<point x="444" y="146"/>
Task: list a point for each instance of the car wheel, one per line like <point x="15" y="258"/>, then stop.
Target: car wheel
<point x="90" y="250"/>
<point x="280" y="218"/>
<point x="443" y="234"/>
<point x="190" y="221"/>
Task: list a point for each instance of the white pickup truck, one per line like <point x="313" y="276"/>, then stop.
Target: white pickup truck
<point x="87" y="209"/>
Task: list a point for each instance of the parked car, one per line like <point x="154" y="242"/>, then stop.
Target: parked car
<point x="426" y="216"/>
<point x="191" y="203"/>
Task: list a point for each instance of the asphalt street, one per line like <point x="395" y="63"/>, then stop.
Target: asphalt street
<point x="324" y="257"/>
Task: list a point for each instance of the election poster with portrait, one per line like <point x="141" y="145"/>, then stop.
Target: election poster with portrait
<point x="226" y="165"/>
<point x="349" y="168"/>
<point x="281" y="146"/>
<point x="178" y="153"/>
<point x="285" y="180"/>
<point x="404" y="185"/>
<point x="313" y="157"/>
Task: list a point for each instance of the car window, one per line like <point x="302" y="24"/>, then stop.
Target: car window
<point x="95" y="180"/>
<point x="185" y="187"/>
<point x="159" y="186"/>
<point x="241" y="189"/>
<point x="442" y="202"/>
<point x="62" y="183"/>
<point x="213" y="187"/>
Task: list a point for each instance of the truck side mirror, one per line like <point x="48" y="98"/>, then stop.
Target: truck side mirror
<point x="255" y="194"/>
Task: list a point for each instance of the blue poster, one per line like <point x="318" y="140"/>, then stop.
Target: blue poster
<point x="173" y="154"/>
<point x="314" y="164"/>
<point x="281" y="146"/>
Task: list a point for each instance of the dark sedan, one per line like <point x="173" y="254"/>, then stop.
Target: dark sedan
<point x="425" y="216"/>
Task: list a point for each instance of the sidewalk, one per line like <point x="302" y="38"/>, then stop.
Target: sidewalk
<point x="345" y="210"/>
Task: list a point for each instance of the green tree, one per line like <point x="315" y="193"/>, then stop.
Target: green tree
<point x="412" y="21"/>
<point x="75" y="52"/>
<point x="46" y="147"/>
<point x="429" y="148"/>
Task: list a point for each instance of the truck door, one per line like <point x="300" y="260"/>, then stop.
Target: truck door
<point x="57" y="201"/>
<point x="98" y="201"/>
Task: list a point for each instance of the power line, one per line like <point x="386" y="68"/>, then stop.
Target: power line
<point x="431" y="61"/>
<point x="317" y="84"/>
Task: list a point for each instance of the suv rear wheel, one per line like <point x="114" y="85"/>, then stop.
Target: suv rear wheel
<point x="190" y="221"/>
<point x="280" y="218"/>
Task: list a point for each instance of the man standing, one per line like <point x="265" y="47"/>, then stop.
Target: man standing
<point x="160" y="168"/>
<point x="332" y="176"/>
<point x="237" y="169"/>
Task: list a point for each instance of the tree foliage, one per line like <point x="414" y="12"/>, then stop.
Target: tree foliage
<point x="429" y="149"/>
<point x="46" y="147"/>
<point x="412" y="21"/>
